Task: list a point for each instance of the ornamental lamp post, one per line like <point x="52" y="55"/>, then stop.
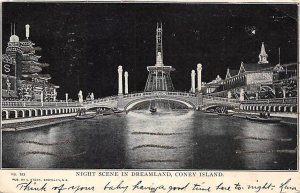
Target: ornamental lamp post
<point x="199" y="80"/>
<point x="67" y="96"/>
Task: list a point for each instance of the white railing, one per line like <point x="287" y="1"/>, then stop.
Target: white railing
<point x="101" y="100"/>
<point x="38" y="104"/>
<point x="291" y="100"/>
<point x="111" y="99"/>
<point x="160" y="93"/>
<point x="141" y="94"/>
<point x="220" y="99"/>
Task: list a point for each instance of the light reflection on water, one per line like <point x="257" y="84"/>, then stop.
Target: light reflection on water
<point x="165" y="140"/>
<point x="160" y="140"/>
<point x="273" y="132"/>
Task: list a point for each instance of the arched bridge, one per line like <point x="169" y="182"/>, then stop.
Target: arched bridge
<point x="127" y="102"/>
<point x="189" y="100"/>
<point x="213" y="102"/>
<point x="24" y="109"/>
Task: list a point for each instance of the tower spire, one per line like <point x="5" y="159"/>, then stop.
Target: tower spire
<point x="263" y="55"/>
<point x="13" y="36"/>
<point x="159" y="78"/>
<point x="159" y="46"/>
<point x="27" y="30"/>
<point x="279" y="55"/>
<point x="228" y="73"/>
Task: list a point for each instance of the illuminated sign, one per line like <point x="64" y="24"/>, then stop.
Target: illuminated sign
<point x="8" y="69"/>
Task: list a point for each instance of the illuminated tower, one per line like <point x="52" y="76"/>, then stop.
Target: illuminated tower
<point x="10" y="69"/>
<point x="159" y="78"/>
<point x="263" y="56"/>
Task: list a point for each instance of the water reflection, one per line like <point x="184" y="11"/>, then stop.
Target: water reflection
<point x="216" y="148"/>
<point x="165" y="140"/>
<point x="161" y="140"/>
<point x="260" y="143"/>
<point x="46" y="146"/>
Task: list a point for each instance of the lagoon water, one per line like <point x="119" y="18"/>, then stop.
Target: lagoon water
<point x="165" y="140"/>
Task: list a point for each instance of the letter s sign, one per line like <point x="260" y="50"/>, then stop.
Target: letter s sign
<point x="6" y="68"/>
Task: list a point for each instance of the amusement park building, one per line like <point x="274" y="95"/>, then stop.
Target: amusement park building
<point x="21" y="77"/>
<point x="256" y="80"/>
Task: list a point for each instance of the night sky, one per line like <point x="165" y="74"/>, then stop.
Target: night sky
<point x="84" y="43"/>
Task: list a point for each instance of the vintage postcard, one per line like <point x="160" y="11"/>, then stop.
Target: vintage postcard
<point x="149" y="97"/>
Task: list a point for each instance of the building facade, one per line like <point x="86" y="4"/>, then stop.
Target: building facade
<point x="256" y="80"/>
<point x="22" y="72"/>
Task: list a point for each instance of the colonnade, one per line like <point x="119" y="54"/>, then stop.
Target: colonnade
<point x="36" y="112"/>
<point x="269" y="108"/>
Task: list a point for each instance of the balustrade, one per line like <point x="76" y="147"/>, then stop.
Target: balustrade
<point x="106" y="99"/>
<point x="220" y="99"/>
<point x="292" y="100"/>
<point x="37" y="104"/>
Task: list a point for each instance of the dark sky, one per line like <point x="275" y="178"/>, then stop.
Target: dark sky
<point x="85" y="42"/>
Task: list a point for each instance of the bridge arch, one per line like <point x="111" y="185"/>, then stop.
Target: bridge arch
<point x="27" y="113"/>
<point x="39" y="112"/>
<point x="13" y="114"/>
<point x="5" y="114"/>
<point x="267" y="88"/>
<point x="21" y="113"/>
<point x="214" y="106"/>
<point x="135" y="102"/>
<point x="34" y="112"/>
<point x="94" y="106"/>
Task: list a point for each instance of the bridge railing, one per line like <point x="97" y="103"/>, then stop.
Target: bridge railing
<point x="38" y="104"/>
<point x="140" y="94"/>
<point x="106" y="99"/>
<point x="137" y="94"/>
<point x="221" y="99"/>
<point x="159" y="93"/>
<point x="291" y="100"/>
<point x="182" y="94"/>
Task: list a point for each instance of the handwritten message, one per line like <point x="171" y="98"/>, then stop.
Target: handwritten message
<point x="119" y="183"/>
<point x="202" y="186"/>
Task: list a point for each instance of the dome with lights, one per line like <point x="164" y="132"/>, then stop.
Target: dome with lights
<point x="14" y="38"/>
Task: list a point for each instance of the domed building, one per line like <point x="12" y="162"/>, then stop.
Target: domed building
<point x="9" y="67"/>
<point x="25" y="80"/>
